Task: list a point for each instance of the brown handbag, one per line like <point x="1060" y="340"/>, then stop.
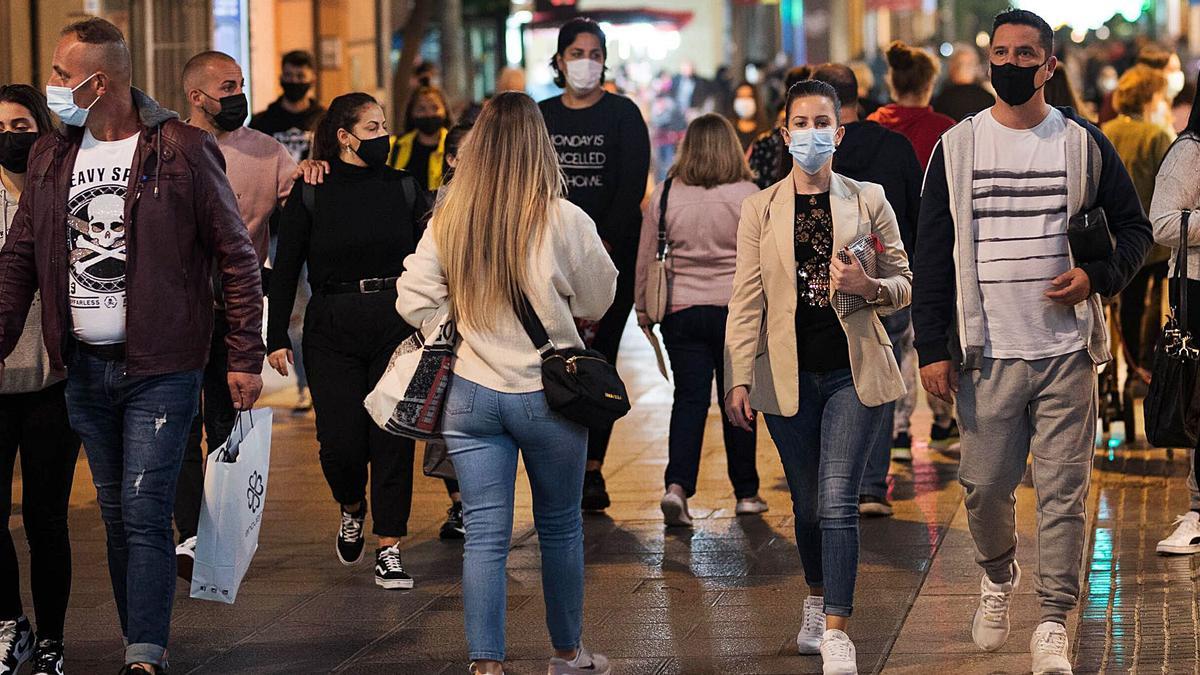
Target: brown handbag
<point x="657" y="284"/>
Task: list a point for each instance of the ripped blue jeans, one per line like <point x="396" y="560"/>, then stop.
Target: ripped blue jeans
<point x="133" y="430"/>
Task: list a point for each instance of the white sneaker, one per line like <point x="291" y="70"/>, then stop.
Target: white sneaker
<point x="808" y="640"/>
<point x="989" y="629"/>
<point x="1049" y="649"/>
<point x="1185" y="540"/>
<point x="751" y="506"/>
<point x="185" y="559"/>
<point x="586" y="663"/>
<point x="675" y="511"/>
<point x="837" y="654"/>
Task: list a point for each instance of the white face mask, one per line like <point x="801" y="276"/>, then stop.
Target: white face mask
<point x="1108" y="84"/>
<point x="583" y="75"/>
<point x="61" y="100"/>
<point x="1161" y="115"/>
<point x="1175" y="82"/>
<point x="745" y="107"/>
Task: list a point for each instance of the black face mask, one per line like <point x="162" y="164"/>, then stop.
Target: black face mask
<point x="234" y="109"/>
<point x="374" y="151"/>
<point x="1014" y="84"/>
<point x="427" y="125"/>
<point x="295" y="91"/>
<point x="14" y="150"/>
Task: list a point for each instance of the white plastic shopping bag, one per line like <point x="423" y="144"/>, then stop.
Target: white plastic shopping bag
<point x="235" y="490"/>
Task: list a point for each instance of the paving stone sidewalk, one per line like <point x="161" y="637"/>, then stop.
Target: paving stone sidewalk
<point x="724" y="597"/>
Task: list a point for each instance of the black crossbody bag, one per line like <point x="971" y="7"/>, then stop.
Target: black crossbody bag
<point x="580" y="384"/>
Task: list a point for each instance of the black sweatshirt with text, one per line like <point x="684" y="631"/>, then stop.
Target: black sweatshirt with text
<point x="604" y="151"/>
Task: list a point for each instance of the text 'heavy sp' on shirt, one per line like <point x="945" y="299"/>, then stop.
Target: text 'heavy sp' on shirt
<point x="96" y="238"/>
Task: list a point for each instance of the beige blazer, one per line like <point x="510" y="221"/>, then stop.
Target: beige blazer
<point x="760" y="335"/>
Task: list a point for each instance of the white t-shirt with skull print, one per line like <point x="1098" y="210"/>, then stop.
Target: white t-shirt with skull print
<point x="96" y="238"/>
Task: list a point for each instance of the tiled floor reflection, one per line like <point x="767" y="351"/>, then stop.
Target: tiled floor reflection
<point x="1141" y="611"/>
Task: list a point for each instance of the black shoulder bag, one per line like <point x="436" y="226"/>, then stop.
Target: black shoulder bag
<point x="580" y="384"/>
<point x="1172" y="407"/>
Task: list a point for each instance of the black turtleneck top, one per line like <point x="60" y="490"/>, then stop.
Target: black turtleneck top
<point x="361" y="227"/>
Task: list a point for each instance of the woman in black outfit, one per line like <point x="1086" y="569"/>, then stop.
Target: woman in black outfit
<point x="354" y="231"/>
<point x="33" y="424"/>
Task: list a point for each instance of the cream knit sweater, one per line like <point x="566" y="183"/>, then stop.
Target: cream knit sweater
<point x="573" y="277"/>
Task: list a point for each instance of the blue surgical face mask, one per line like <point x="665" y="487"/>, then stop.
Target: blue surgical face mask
<point x="62" y="101"/>
<point x="811" y="148"/>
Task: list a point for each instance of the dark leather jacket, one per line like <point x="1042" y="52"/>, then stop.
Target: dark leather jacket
<point x="181" y="217"/>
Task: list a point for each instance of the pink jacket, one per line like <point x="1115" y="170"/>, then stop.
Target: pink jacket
<point x="702" y="229"/>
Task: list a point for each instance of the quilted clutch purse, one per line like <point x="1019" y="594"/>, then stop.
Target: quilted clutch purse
<point x="865" y="248"/>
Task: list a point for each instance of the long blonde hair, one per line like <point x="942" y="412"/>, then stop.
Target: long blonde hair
<point x="497" y="208"/>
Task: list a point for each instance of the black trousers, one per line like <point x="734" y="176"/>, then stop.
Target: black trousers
<point x="1139" y="327"/>
<point x="35" y="426"/>
<point x="695" y="341"/>
<point x="214" y="422"/>
<point x="609" y="332"/>
<point x="348" y="340"/>
<point x="1192" y="321"/>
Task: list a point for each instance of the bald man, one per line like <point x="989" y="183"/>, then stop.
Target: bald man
<point x="120" y="232"/>
<point x="259" y="169"/>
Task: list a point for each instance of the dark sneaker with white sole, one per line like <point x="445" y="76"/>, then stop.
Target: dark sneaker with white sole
<point x="185" y="559"/>
<point x="389" y="570"/>
<point x="16" y="644"/>
<point x="48" y="659"/>
<point x="453" y="528"/>
<point x="874" y="507"/>
<point x="595" y="494"/>
<point x="350" y="539"/>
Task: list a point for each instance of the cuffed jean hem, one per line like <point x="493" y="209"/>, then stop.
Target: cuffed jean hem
<point x="144" y="652"/>
<point x="833" y="610"/>
<point x="486" y="656"/>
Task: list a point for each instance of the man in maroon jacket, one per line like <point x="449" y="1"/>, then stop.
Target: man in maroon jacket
<point x="122" y="221"/>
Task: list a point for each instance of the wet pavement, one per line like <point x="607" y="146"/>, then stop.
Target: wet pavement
<point x="722" y="597"/>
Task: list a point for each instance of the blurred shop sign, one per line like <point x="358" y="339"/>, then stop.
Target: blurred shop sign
<point x="895" y="5"/>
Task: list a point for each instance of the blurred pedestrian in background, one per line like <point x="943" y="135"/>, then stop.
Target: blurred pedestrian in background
<point x="1142" y="144"/>
<point x="419" y="149"/>
<point x="963" y="94"/>
<point x="911" y="73"/>
<point x="749" y="116"/>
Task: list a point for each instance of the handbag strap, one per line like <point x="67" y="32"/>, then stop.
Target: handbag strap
<point x="662" y="220"/>
<point x="534" y="328"/>
<point x="1181" y="261"/>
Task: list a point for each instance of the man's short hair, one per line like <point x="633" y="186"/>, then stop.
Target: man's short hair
<point x="841" y="78"/>
<point x="199" y="62"/>
<point x="299" y="58"/>
<point x="1024" y="17"/>
<point x="94" y="31"/>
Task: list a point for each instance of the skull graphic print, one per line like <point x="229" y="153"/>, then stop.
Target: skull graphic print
<point x="96" y="238"/>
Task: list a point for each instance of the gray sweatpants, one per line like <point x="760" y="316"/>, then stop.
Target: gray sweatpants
<point x="1006" y="410"/>
<point x="1193" y="488"/>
